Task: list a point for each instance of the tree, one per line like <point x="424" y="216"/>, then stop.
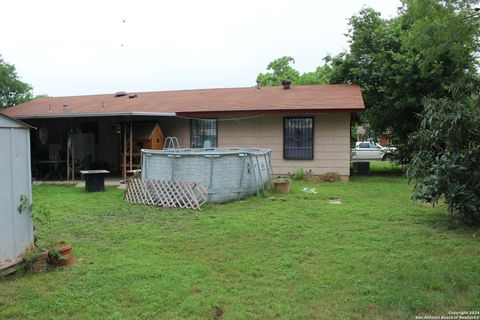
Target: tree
<point x="319" y="76"/>
<point x="422" y="52"/>
<point x="447" y="156"/>
<point x="281" y="69"/>
<point x="12" y="90"/>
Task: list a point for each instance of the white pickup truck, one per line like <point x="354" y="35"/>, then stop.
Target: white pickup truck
<point x="366" y="151"/>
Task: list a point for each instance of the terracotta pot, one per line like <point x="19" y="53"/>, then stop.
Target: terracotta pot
<point x="67" y="252"/>
<point x="282" y="185"/>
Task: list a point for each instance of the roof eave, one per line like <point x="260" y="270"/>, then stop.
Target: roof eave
<point x="26" y="125"/>
<point x="94" y="114"/>
<point x="266" y="112"/>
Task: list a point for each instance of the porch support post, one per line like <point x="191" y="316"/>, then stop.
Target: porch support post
<point x="68" y="156"/>
<point x="131" y="145"/>
<point x="73" y="156"/>
<point x="124" y="160"/>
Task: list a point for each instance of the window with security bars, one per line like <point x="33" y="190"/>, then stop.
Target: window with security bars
<point x="203" y="133"/>
<point x="298" y="138"/>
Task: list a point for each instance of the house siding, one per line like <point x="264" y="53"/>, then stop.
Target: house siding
<point x="176" y="127"/>
<point x="331" y="141"/>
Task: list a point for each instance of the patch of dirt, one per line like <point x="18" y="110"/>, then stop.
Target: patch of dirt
<point x="218" y="312"/>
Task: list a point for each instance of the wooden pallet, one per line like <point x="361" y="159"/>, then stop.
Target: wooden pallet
<point x="166" y="193"/>
<point x="10" y="266"/>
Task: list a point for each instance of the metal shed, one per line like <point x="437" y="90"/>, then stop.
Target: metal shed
<point x="16" y="229"/>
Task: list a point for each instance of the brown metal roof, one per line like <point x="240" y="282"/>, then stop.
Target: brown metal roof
<point x="314" y="98"/>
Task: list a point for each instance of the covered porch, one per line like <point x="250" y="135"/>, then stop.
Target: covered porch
<point x="62" y="146"/>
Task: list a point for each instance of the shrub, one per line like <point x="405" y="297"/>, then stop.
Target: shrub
<point x="299" y="174"/>
<point x="329" y="177"/>
<point x="446" y="160"/>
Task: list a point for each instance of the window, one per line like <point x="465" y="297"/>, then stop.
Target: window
<point x="364" y="145"/>
<point x="203" y="133"/>
<point x="368" y="145"/>
<point x="298" y="138"/>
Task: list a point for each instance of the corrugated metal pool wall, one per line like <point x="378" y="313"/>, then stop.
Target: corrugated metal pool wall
<point x="229" y="174"/>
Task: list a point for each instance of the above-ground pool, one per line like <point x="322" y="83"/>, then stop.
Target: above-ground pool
<point x="228" y="173"/>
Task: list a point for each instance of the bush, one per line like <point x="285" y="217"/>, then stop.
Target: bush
<point x="329" y="177"/>
<point x="446" y="160"/>
<point x="299" y="174"/>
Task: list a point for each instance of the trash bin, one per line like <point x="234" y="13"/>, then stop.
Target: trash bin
<point x="362" y="168"/>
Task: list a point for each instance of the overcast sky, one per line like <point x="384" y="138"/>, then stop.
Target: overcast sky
<point x="84" y="47"/>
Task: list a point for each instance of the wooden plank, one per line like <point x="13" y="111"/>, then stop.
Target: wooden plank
<point x="10" y="266"/>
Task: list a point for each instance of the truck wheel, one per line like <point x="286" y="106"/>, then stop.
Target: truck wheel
<point x="387" y="157"/>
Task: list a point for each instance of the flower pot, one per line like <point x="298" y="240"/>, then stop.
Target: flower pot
<point x="67" y="252"/>
<point x="282" y="185"/>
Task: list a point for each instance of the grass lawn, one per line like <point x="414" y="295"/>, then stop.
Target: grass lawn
<point x="377" y="255"/>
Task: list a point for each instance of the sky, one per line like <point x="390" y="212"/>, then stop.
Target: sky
<point x="65" y="48"/>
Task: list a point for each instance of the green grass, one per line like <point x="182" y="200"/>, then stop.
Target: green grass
<point x="385" y="168"/>
<point x="377" y="256"/>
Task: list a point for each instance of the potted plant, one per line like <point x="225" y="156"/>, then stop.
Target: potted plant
<point x="59" y="253"/>
<point x="50" y="251"/>
<point x="63" y="256"/>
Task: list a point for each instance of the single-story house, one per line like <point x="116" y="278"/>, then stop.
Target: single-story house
<point x="305" y="126"/>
